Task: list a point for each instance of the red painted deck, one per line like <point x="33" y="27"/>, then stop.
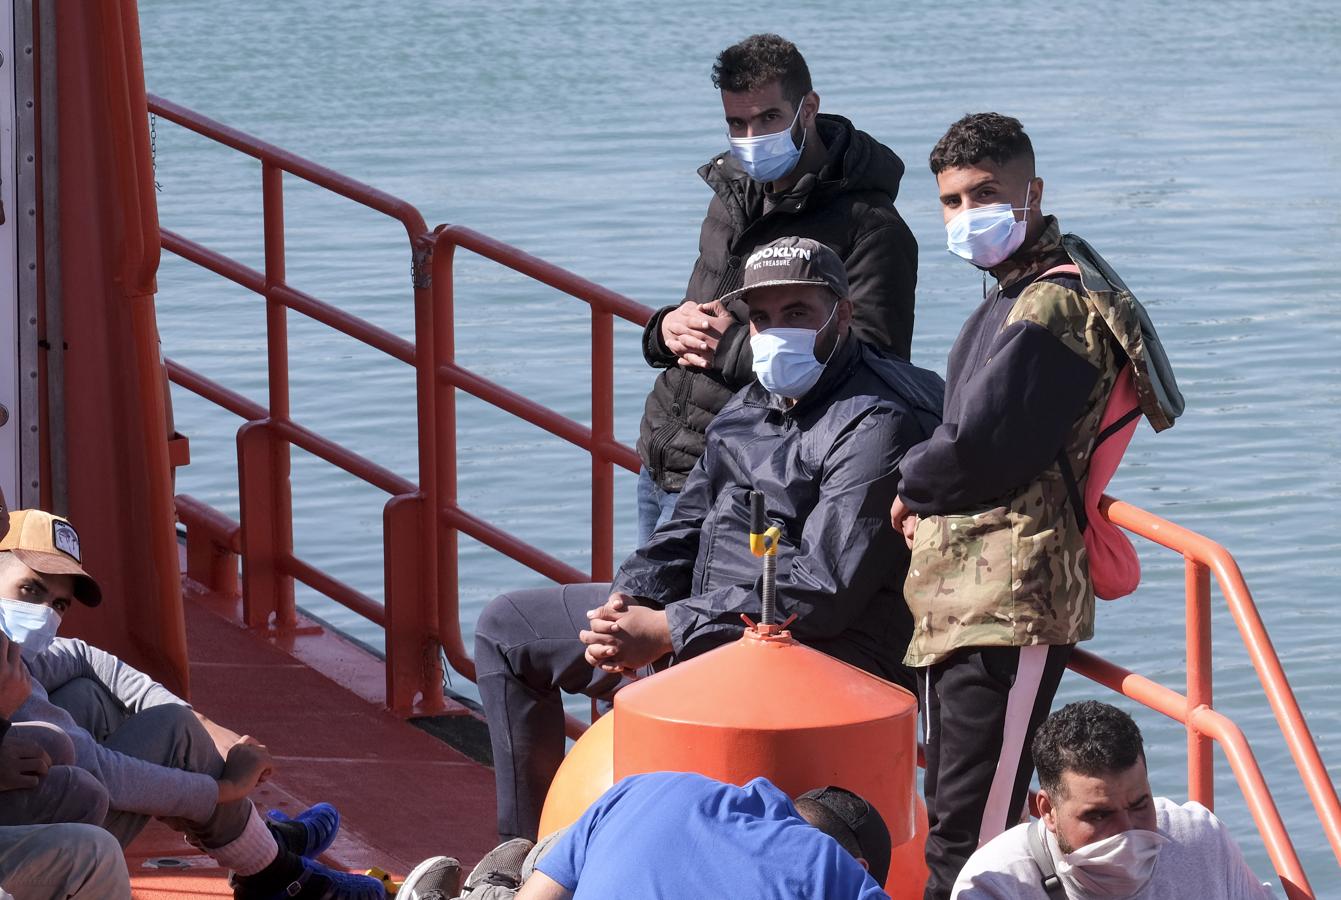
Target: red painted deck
<point x="312" y="698"/>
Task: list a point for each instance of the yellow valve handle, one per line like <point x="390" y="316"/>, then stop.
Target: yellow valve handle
<point x="765" y="544"/>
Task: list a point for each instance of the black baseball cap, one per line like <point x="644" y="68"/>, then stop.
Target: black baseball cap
<point x="862" y="822"/>
<point x="793" y="260"/>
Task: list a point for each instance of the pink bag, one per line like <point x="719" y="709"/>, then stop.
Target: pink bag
<point x="1115" y="569"/>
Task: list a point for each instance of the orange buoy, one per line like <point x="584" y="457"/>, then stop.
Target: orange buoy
<point x="908" y="862"/>
<point x="586" y="773"/>
<point x="767" y="705"/>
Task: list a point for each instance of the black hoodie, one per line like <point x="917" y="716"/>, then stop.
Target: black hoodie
<point x="848" y="205"/>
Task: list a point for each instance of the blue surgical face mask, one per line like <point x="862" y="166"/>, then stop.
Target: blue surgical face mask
<point x="987" y="235"/>
<point x="32" y="626"/>
<point x="769" y="156"/>
<point x="784" y="359"/>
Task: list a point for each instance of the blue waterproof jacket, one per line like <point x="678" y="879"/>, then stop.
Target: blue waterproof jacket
<point x="828" y="467"/>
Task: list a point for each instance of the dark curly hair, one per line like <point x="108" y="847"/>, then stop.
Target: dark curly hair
<point x="1088" y="738"/>
<point x="761" y="59"/>
<point x="980" y="136"/>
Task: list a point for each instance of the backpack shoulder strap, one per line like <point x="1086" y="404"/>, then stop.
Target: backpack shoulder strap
<point x="1070" y="269"/>
<point x="1052" y="885"/>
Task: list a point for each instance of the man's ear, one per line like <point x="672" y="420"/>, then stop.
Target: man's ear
<point x="1047" y="811"/>
<point x="810" y="106"/>
<point x="861" y="861"/>
<point x="1036" y="195"/>
<point x="844" y="315"/>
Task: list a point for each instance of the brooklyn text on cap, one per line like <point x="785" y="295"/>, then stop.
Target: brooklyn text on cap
<point x="50" y="545"/>
<point x="793" y="260"/>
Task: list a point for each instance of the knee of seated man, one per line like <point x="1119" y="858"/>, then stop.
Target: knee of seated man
<point x="90" y="845"/>
<point x="499" y="619"/>
<point x="51" y="738"/>
<point x="176" y="726"/>
<point x="86" y="700"/>
<point x="77" y="796"/>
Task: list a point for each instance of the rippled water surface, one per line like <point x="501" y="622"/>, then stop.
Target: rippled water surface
<point x="1196" y="144"/>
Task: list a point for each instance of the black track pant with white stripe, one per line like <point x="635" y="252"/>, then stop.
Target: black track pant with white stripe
<point x="980" y="709"/>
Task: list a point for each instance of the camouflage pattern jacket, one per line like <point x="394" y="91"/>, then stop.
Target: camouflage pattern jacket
<point x="998" y="557"/>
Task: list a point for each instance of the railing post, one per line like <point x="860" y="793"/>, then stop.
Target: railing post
<point x="444" y="353"/>
<point x="210" y="558"/>
<point x="413" y="667"/>
<point x="1200" y="758"/>
<point x="602" y="434"/>
<point x="267" y="526"/>
<point x="263" y="456"/>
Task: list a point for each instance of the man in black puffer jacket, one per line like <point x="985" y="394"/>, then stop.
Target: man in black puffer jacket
<point x="790" y="171"/>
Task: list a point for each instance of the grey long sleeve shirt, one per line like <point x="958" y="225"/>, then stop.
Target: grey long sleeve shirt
<point x="133" y="784"/>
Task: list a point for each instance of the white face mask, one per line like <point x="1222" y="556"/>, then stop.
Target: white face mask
<point x="32" y="626"/>
<point x="769" y="156"/>
<point x="1116" y="867"/>
<point x="784" y="359"/>
<point x="987" y="235"/>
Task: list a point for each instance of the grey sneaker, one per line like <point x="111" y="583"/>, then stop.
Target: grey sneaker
<point x="502" y="865"/>
<point x="538" y="852"/>
<point x="436" y="878"/>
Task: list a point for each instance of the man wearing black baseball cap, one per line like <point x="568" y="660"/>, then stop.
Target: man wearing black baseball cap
<point x="819" y="433"/>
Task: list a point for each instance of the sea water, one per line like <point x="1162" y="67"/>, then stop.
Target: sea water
<point x="1198" y="145"/>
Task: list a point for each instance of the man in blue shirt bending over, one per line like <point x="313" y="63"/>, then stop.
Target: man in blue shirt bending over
<point x="677" y="834"/>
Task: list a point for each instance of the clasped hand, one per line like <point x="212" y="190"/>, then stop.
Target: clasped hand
<point x="623" y="636"/>
<point x="248" y="764"/>
<point x="693" y="330"/>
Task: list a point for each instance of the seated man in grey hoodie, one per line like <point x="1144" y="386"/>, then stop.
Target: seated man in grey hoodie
<point x="153" y="754"/>
<point x="75" y="859"/>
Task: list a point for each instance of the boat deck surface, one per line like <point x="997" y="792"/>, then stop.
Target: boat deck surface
<point x="313" y="699"/>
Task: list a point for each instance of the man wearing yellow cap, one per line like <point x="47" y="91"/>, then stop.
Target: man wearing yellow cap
<point x="152" y="753"/>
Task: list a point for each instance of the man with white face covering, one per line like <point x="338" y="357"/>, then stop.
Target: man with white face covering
<point x="152" y="754"/>
<point x="1102" y="834"/>
<point x="790" y="170"/>
<point x="999" y="586"/>
<point x="820" y="434"/>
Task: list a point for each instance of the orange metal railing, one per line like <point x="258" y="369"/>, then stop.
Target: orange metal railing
<point x="422" y="521"/>
<point x="264" y="537"/>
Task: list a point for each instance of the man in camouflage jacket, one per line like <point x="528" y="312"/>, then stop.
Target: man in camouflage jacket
<point x="998" y="585"/>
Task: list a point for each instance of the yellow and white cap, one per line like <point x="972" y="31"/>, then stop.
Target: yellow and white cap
<point x="50" y="545"/>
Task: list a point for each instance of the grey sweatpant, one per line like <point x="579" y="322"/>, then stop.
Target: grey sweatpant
<point x="65" y="794"/>
<point x="527" y="655"/>
<point x="57" y="862"/>
<point x="167" y="735"/>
